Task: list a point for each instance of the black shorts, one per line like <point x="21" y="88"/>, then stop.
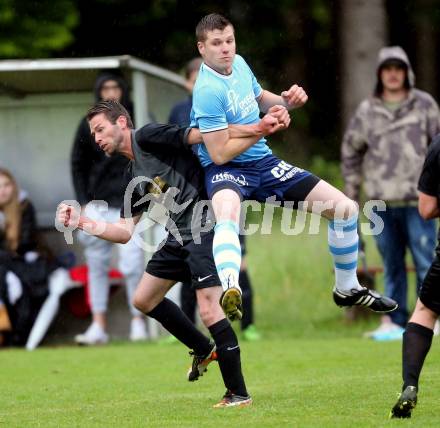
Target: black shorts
<point x="430" y="290"/>
<point x="242" y="239"/>
<point x="189" y="262"/>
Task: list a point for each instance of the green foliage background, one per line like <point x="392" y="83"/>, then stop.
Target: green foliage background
<point x="284" y="42"/>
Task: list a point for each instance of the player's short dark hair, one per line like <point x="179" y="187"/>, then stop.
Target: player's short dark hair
<point x="211" y="22"/>
<point x="112" y="110"/>
<point x="192" y="66"/>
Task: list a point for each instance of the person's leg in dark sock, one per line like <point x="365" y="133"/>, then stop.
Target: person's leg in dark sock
<point x="188" y="301"/>
<point x="228" y="356"/>
<point x="248" y="313"/>
<point x="227" y="348"/>
<point x="180" y="326"/>
<point x="417" y="341"/>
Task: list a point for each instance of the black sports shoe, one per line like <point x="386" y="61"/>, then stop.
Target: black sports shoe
<point x="233" y="400"/>
<point x="200" y="364"/>
<point x="231" y="303"/>
<point x="406" y="402"/>
<point x="365" y="297"/>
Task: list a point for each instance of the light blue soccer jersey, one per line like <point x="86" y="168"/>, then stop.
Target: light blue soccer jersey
<point x="219" y="100"/>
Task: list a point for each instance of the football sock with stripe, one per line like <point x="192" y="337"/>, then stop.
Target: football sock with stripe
<point x="228" y="356"/>
<point x="343" y="241"/>
<point x="179" y="325"/>
<point x="227" y="253"/>
<point x="417" y="341"/>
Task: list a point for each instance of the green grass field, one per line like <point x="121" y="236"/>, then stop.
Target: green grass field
<point x="311" y="369"/>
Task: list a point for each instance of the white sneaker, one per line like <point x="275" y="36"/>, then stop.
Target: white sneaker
<point x="396" y="333"/>
<point x="384" y="327"/>
<point x="138" y="331"/>
<point x="94" y="335"/>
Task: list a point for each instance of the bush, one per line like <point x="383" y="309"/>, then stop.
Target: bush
<point x="329" y="171"/>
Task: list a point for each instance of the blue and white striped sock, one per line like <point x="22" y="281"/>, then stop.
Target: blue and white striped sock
<point x="227" y="253"/>
<point x="343" y="241"/>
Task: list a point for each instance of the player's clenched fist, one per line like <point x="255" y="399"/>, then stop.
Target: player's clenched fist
<point x="281" y="114"/>
<point x="294" y="97"/>
<point x="269" y="125"/>
<point x="67" y="215"/>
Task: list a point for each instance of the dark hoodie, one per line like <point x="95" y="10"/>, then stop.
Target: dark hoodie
<point x="96" y="176"/>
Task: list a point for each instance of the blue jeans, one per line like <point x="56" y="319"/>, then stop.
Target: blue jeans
<point x="404" y="227"/>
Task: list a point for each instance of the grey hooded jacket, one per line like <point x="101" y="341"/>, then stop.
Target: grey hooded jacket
<point x="384" y="150"/>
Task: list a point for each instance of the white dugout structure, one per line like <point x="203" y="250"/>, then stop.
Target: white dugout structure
<point x="41" y="104"/>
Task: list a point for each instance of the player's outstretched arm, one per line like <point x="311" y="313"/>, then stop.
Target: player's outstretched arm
<point x="294" y="97"/>
<point x="120" y="232"/>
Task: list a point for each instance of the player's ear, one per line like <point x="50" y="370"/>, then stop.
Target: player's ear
<point x="201" y="47"/>
<point x="122" y="121"/>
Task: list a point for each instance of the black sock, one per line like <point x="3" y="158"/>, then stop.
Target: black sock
<point x="245" y="285"/>
<point x="178" y="324"/>
<point x="228" y="355"/>
<point x="417" y="340"/>
<point x="188" y="301"/>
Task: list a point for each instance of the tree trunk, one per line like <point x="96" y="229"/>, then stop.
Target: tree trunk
<point x="362" y="34"/>
<point x="426" y="67"/>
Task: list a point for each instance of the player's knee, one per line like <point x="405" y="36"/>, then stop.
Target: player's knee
<point x="226" y="205"/>
<point x="141" y="304"/>
<point x="425" y="312"/>
<point x="346" y="209"/>
<point x="210" y="312"/>
<point x="205" y="315"/>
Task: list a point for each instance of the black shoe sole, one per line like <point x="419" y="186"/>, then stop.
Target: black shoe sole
<point x="193" y="375"/>
<point x="384" y="311"/>
<point x="403" y="410"/>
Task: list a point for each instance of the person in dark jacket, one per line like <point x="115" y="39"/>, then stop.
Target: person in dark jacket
<point x="181" y="111"/>
<point x="96" y="178"/>
<point x="25" y="264"/>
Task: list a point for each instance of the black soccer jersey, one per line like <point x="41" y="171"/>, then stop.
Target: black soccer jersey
<point x="429" y="181"/>
<point x="167" y="172"/>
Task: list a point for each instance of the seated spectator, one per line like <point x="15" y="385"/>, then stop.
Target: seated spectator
<point x="25" y="264"/>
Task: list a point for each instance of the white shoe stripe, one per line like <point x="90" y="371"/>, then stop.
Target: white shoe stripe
<point x="369" y="301"/>
<point x="359" y="301"/>
<point x="366" y="300"/>
<point x="340" y="294"/>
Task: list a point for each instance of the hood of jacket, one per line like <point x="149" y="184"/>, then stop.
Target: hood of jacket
<point x="105" y="77"/>
<point x="394" y="53"/>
